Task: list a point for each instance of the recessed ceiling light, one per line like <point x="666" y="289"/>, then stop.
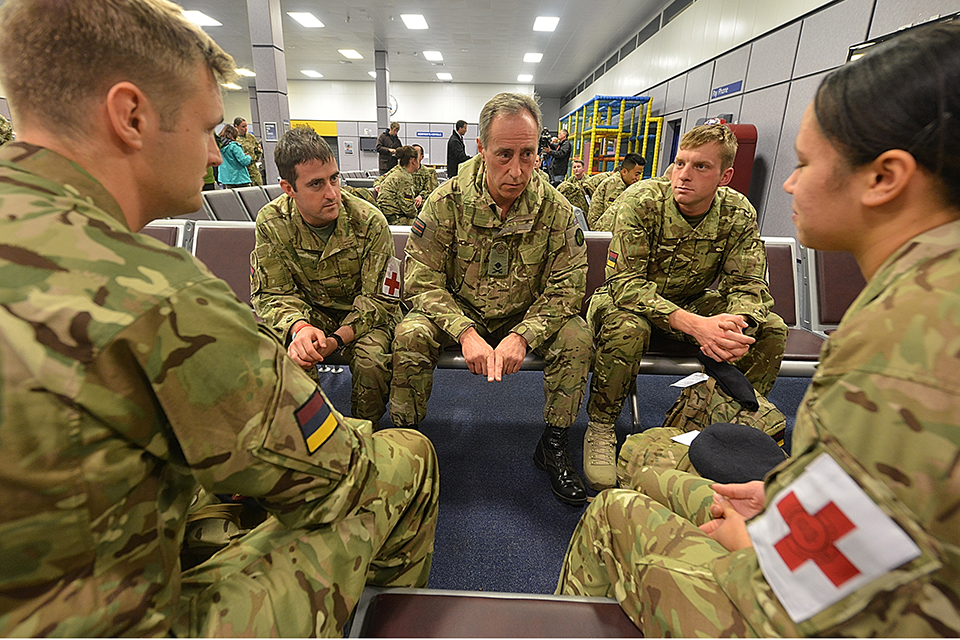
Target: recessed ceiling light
<point x="201" y="19"/>
<point x="524" y="77"/>
<point x="310" y="73"/>
<point x="372" y="74"/>
<point x="445" y="76"/>
<point x="353" y="54"/>
<point x="532" y="57"/>
<point x="232" y="86"/>
<point x="306" y="19"/>
<point x="414" y="21"/>
<point x="433" y="56"/>
<point x="245" y="73"/>
<point x="544" y="23"/>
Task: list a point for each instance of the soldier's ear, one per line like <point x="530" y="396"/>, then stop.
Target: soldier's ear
<point x="287" y="188"/>
<point x="726" y="177"/>
<point x="129" y="113"/>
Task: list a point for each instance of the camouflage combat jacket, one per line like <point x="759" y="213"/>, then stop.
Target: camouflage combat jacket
<point x="462" y="257"/>
<point x="130" y="373"/>
<point x="6" y="130"/>
<point x="657" y="262"/>
<point x="251" y="147"/>
<point x="885" y="405"/>
<point x="575" y="192"/>
<point x="293" y="272"/>
<point x="590" y="183"/>
<point x="425" y="181"/>
<point x="603" y="197"/>
<point x="396" y="197"/>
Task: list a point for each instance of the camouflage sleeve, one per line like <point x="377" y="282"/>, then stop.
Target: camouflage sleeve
<point x="246" y="419"/>
<point x="744" y="278"/>
<point x="597" y="207"/>
<point x="373" y="308"/>
<point x="627" y="258"/>
<point x="430" y="252"/>
<point x="426" y="182"/>
<point x="396" y="199"/>
<point x="566" y="281"/>
<point x="273" y="290"/>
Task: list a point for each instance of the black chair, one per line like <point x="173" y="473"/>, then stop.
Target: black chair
<point x="253" y="199"/>
<point x="226" y="206"/>
<point x="273" y="191"/>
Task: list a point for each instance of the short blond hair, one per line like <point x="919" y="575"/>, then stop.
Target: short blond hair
<point x="707" y="133"/>
<point x="511" y="104"/>
<point x="57" y="56"/>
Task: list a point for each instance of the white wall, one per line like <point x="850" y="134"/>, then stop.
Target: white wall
<point x="702" y="31"/>
<point x="416" y="101"/>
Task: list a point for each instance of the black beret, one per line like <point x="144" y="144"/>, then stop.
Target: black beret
<point x="726" y="453"/>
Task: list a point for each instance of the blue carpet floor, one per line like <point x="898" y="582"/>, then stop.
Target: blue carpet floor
<point x="500" y="528"/>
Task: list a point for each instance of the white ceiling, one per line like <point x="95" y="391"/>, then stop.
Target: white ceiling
<point x="482" y="41"/>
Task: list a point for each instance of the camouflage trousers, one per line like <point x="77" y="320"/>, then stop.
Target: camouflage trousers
<point x="643" y="547"/>
<point x="416" y="349"/>
<point x="371" y="364"/>
<point x="276" y="581"/>
<point x="255" y="178"/>
<point x="622" y="337"/>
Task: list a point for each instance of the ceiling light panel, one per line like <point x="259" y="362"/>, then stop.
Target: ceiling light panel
<point x="201" y="19"/>
<point x="433" y="56"/>
<point x="445" y="76"/>
<point x="306" y="19"/>
<point x="524" y="77"/>
<point x="533" y="57"/>
<point x="353" y="54"/>
<point x="246" y="73"/>
<point x="414" y="21"/>
<point x="545" y="23"/>
<point x="310" y="73"/>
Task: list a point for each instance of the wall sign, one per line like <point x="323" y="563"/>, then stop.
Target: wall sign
<point x="726" y="89"/>
<point x="270" y="132"/>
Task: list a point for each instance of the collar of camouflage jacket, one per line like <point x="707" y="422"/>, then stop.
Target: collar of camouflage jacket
<point x="60" y="175"/>
<point x="472" y="178"/>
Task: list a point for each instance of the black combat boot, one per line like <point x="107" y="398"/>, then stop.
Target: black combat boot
<point x="552" y="456"/>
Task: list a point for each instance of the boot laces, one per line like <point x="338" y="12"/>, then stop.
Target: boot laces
<point x="602" y="445"/>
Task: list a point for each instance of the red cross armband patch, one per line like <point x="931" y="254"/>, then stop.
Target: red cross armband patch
<point x="822" y="538"/>
<point x="391" y="278"/>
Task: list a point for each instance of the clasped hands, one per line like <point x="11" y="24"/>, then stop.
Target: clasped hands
<point x="482" y="359"/>
<point x="311" y="345"/>
<point x="721" y="336"/>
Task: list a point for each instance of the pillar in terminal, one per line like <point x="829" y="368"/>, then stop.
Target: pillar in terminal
<point x="269" y="108"/>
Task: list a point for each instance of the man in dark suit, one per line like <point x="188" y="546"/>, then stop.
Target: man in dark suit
<point x="455" y="149"/>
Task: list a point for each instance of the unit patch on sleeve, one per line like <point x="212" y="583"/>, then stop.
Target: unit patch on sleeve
<point x="391" y="278"/>
<point x="611" y="259"/>
<point x="418" y="227"/>
<point x="317" y="422"/>
<point x="823" y="537"/>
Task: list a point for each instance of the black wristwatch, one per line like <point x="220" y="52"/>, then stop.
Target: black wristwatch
<point x="340" y="345"/>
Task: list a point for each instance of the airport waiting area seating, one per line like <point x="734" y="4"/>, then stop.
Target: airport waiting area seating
<point x="234" y="205"/>
<point x="830" y="283"/>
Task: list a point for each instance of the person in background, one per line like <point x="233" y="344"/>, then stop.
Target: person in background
<point x="560" y="157"/>
<point x="130" y="375"/>
<point x="387" y="144"/>
<point x="856" y="534"/>
<point x="573" y="189"/>
<point x="397" y="200"/>
<point x="6" y="130"/>
<point x="631" y="170"/>
<point x="456" y="150"/>
<point x="252" y="147"/>
<point x="233" y="171"/>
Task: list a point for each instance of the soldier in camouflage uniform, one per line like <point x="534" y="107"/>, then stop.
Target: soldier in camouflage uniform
<point x="672" y="240"/>
<point x="396" y="198"/>
<point x="323" y="272"/>
<point x="631" y="170"/>
<point x="129" y="374"/>
<point x="6" y="130"/>
<point x="590" y="183"/>
<point x="856" y="534"/>
<point x="251" y="147"/>
<point x="496" y="262"/>
<point x="425" y="179"/>
<point x="572" y="188"/>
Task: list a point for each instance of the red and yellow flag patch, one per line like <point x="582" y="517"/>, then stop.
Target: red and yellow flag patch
<point x="317" y="422"/>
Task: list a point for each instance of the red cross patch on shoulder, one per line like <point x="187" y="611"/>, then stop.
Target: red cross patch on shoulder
<point x="391" y="278"/>
<point x="823" y="537"/>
